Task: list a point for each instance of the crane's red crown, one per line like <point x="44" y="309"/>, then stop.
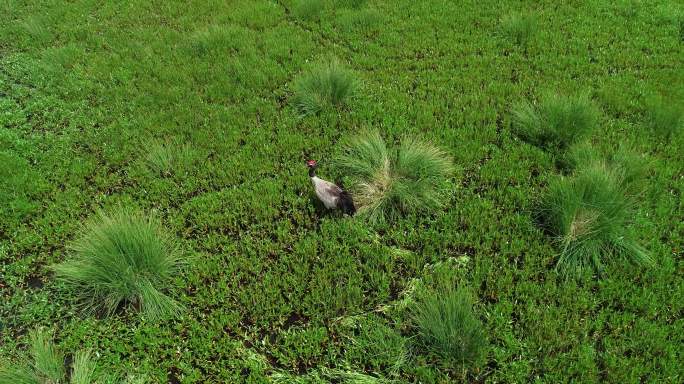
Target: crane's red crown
<point x="311" y="163"/>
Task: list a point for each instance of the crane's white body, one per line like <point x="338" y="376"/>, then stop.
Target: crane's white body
<point x="327" y="192"/>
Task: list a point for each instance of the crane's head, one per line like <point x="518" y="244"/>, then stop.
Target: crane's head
<point x="311" y="163"/>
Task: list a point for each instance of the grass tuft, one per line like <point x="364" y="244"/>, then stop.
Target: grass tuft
<point x="579" y="156"/>
<point x="122" y="258"/>
<point x="590" y="216"/>
<point x="308" y="10"/>
<point x="448" y="327"/>
<point x="665" y="120"/>
<point x="83" y="369"/>
<point x="328" y="85"/>
<point x="326" y="375"/>
<point x="355" y="4"/>
<point x="366" y="21"/>
<point x="48" y="360"/>
<point x="160" y="159"/>
<point x="556" y="122"/>
<point x="48" y="366"/>
<point x="168" y="159"/>
<point x="18" y="375"/>
<point x="388" y="183"/>
<point x="376" y="347"/>
<point x="520" y="28"/>
<point x="626" y="168"/>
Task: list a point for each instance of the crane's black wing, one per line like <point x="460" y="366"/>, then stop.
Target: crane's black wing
<point x="344" y="199"/>
<point x="346" y="203"/>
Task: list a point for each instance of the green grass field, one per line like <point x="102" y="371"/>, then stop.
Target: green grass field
<point x="187" y="111"/>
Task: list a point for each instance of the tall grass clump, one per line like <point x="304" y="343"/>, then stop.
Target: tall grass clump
<point x="327" y="375"/>
<point x="160" y="159"/>
<point x="47" y="366"/>
<point x="520" y="28"/>
<point x="169" y="158"/>
<point x="83" y="368"/>
<point x="308" y="9"/>
<point x="590" y="215"/>
<point x="390" y="182"/>
<point x="627" y="169"/>
<point x="448" y="328"/>
<point x="122" y="259"/>
<point x="327" y="85"/>
<point x="556" y="122"/>
<point x="365" y="21"/>
<point x="578" y="156"/>
<point x="625" y="166"/>
<point x="350" y="3"/>
<point x="376" y="347"/>
<point x="666" y="121"/>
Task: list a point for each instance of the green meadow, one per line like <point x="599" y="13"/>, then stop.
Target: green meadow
<point x="518" y="170"/>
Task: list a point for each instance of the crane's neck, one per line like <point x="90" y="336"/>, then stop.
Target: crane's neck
<point x="312" y="172"/>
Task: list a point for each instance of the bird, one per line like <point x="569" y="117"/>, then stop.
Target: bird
<point x="330" y="194"/>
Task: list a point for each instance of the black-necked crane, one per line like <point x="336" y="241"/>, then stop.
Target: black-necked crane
<point x="330" y="194"/>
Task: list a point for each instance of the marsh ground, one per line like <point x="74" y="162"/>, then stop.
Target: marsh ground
<point x="182" y="109"/>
